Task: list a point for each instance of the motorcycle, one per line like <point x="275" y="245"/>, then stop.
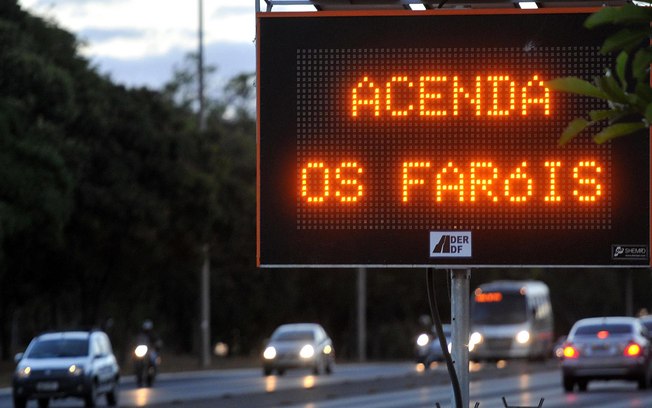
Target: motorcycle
<point x="146" y="362"/>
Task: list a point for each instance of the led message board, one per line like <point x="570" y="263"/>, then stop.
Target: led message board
<point x="430" y="139"/>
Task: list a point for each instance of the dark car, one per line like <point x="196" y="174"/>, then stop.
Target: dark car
<point x="606" y="348"/>
<point x="428" y="349"/>
<point x="299" y="345"/>
<point x="66" y="364"/>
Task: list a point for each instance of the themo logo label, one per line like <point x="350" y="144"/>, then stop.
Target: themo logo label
<point x="450" y="244"/>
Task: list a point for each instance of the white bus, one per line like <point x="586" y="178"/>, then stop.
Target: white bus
<point x="511" y="319"/>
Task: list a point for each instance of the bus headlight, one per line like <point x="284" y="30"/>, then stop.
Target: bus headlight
<point x="523" y="337"/>
<point x="475" y="339"/>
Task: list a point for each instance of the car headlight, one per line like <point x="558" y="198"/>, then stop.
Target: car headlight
<point x="523" y="337"/>
<point x="328" y="349"/>
<point x="476" y="338"/>
<point x="75" y="370"/>
<point x="269" y="353"/>
<point x="140" y="351"/>
<point x="422" y="340"/>
<point x="24" y="372"/>
<point x="307" y="351"/>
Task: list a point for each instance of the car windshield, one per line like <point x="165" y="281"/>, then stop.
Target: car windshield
<point x="499" y="308"/>
<point x="295" y="335"/>
<point x="594" y="329"/>
<point x="59" y="348"/>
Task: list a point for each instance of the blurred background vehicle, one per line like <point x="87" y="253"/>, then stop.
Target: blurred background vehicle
<point x="146" y="356"/>
<point x="647" y="322"/>
<point x="511" y="319"/>
<point x="427" y="347"/>
<point x="606" y="348"/>
<point x="558" y="348"/>
<point x="66" y="364"/>
<point x="299" y="345"/>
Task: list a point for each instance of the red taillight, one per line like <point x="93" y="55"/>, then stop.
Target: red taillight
<point x="603" y="334"/>
<point x="633" y="350"/>
<point x="571" y="352"/>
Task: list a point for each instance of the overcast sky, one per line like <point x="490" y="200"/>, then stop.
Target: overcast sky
<point x="138" y="42"/>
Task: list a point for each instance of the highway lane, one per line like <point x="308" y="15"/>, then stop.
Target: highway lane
<point x="523" y="390"/>
<point x="387" y="385"/>
<point x="226" y="384"/>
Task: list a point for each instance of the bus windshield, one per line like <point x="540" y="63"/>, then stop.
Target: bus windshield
<point x="501" y="308"/>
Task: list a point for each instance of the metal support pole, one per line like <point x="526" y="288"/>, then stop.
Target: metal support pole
<point x="204" y="290"/>
<point x="460" y="317"/>
<point x="629" y="294"/>
<point x="362" y="314"/>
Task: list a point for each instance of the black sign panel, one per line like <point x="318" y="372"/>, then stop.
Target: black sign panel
<point x="430" y="139"/>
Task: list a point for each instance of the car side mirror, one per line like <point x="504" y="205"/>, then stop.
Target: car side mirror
<point x="18" y="357"/>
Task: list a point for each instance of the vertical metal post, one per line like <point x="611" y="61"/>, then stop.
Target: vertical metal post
<point x="362" y="314"/>
<point x="204" y="288"/>
<point x="460" y="317"/>
<point x="629" y="294"/>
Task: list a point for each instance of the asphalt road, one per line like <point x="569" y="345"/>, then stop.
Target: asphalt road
<point x="383" y="385"/>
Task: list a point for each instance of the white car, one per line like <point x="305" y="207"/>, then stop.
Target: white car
<point x="66" y="364"/>
<point x="299" y="345"/>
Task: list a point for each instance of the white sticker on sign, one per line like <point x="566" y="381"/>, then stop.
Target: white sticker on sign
<point x="450" y="244"/>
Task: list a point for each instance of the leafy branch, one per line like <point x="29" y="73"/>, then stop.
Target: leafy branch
<point x="626" y="87"/>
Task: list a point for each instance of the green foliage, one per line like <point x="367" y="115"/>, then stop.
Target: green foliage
<point x="108" y="195"/>
<point x="625" y="88"/>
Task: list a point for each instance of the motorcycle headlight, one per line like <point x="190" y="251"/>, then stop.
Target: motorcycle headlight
<point x="307" y="351"/>
<point x="269" y="353"/>
<point x="24" y="372"/>
<point x="75" y="370"/>
<point x="140" y="351"/>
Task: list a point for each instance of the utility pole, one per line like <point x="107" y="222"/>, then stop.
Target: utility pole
<point x="204" y="288"/>
<point x="362" y="313"/>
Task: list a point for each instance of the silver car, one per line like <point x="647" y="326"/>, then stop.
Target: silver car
<point x="606" y="348"/>
<point x="66" y="364"/>
<point x="299" y="345"/>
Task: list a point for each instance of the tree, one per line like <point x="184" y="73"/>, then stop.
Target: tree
<point x="625" y="88"/>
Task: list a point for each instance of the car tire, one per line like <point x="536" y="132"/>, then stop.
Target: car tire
<point x="112" y="397"/>
<point x="20" y="402"/>
<point x="568" y="383"/>
<point x="43" y="402"/>
<point x="91" y="396"/>
<point x="582" y="385"/>
<point x="280" y="371"/>
<point x="644" y="380"/>
<point x="267" y="371"/>
<point x="318" y="368"/>
<point x="329" y="368"/>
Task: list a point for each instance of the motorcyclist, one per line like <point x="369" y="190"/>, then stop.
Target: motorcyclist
<point x="152" y="340"/>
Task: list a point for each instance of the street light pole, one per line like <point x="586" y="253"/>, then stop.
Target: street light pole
<point x="204" y="289"/>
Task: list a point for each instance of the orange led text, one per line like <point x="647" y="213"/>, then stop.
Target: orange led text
<point x="439" y="95"/>
<point x="317" y="181"/>
<point x="484" y="181"/>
